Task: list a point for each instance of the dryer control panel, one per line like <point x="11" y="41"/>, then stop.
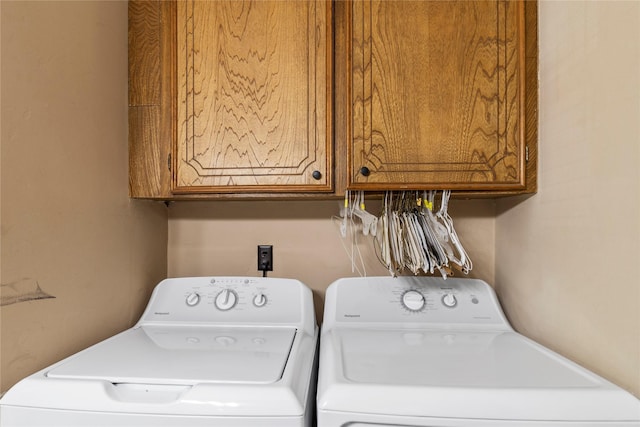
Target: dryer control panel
<point x="225" y="300"/>
<point x="412" y="299"/>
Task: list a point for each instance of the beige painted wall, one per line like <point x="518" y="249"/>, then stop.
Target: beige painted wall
<point x="567" y="258"/>
<point x="221" y="238"/>
<point x="67" y="223"/>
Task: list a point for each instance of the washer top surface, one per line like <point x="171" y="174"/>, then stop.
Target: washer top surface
<point x="421" y="346"/>
<point x="181" y="355"/>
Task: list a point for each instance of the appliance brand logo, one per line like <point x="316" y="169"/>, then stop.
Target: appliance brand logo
<point x="161" y="313"/>
<point x="352" y="315"/>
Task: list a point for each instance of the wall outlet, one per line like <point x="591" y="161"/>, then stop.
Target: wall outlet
<point x="265" y="258"/>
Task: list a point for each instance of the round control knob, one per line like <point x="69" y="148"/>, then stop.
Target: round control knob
<point x="192" y="299"/>
<point x="260" y="300"/>
<point x="226" y="300"/>
<point x="449" y="300"/>
<point x="413" y="300"/>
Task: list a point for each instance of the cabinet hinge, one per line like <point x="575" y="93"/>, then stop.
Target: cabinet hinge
<point x="526" y="153"/>
<point x="169" y="161"/>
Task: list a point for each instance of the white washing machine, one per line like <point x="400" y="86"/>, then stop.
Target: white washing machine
<point x="422" y="351"/>
<point x="208" y="351"/>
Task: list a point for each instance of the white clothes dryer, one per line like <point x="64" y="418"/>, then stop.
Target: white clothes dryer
<point x="424" y="351"/>
<point x="208" y="351"/>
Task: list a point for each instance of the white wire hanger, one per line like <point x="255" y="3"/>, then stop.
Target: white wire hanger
<point x="462" y="260"/>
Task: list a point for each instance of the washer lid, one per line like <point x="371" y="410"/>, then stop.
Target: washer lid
<point x="450" y="358"/>
<point x="488" y="375"/>
<point x="182" y="355"/>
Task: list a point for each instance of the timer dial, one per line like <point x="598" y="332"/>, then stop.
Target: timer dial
<point x="226" y="300"/>
<point x="413" y="300"/>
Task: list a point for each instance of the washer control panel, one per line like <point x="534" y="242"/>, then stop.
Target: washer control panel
<point x="409" y="299"/>
<point x="229" y="299"/>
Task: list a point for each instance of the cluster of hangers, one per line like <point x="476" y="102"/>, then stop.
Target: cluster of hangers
<point x="413" y="232"/>
<point x="418" y="236"/>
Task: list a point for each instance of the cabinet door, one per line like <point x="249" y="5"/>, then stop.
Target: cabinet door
<point x="436" y="95"/>
<point x="254" y="96"/>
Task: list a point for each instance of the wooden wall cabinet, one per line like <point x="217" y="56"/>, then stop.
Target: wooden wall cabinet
<point x="438" y="95"/>
<point x="240" y="97"/>
<point x="307" y="99"/>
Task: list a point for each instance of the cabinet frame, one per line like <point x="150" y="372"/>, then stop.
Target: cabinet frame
<point x="152" y="106"/>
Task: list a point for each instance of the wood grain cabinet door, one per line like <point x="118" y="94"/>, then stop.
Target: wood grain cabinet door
<point x="253" y="97"/>
<point x="437" y="95"/>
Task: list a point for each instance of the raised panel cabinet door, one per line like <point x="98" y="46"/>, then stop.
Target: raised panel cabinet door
<point x="436" y="95"/>
<point x="253" y="96"/>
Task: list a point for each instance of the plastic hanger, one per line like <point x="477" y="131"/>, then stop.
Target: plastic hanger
<point x="369" y="221"/>
<point x="347" y="229"/>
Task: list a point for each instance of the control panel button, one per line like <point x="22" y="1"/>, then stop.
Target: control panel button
<point x="413" y="300"/>
<point x="226" y="300"/>
<point x="449" y="300"/>
<point x="192" y="299"/>
<point x="260" y="300"/>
